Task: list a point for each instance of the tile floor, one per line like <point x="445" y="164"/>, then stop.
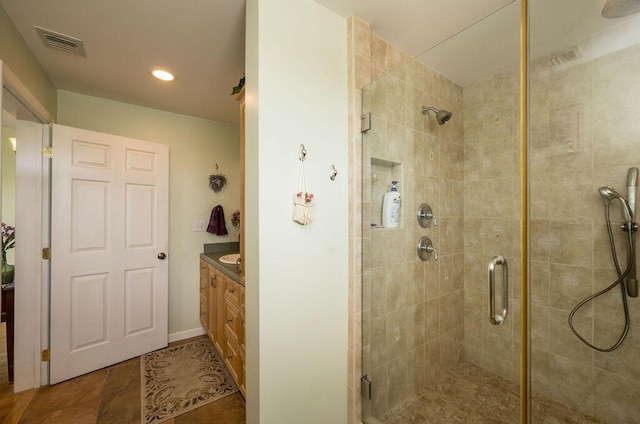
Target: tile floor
<point x="109" y="395"/>
<point x="468" y="394"/>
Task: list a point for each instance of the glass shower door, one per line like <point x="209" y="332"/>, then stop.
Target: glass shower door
<point x="444" y="126"/>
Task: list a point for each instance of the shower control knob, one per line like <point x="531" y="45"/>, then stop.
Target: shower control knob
<point x="425" y="249"/>
<point x="425" y="216"/>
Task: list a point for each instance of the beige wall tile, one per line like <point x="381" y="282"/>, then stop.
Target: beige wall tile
<point x="615" y="398"/>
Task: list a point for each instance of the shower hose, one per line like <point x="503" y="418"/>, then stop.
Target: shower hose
<point x="619" y="281"/>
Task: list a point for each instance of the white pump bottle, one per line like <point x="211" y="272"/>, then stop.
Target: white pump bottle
<point x="391" y="207"/>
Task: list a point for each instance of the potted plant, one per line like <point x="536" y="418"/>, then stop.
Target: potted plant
<point x="8" y="242"/>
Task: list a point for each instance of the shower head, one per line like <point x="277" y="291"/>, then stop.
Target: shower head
<point x="620" y="8"/>
<point x="442" y="116"/>
<point x="609" y="195"/>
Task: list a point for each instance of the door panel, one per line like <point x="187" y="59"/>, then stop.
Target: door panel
<point x="140" y="216"/>
<point x="89" y="310"/>
<point x="139" y="300"/>
<point x="89" y="224"/>
<point x="110" y="214"/>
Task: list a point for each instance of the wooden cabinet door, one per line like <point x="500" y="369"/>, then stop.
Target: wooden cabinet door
<point x="221" y="312"/>
<point x="204" y="294"/>
<point x="217" y="287"/>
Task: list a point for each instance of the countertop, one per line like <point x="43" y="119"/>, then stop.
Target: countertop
<point x="227" y="269"/>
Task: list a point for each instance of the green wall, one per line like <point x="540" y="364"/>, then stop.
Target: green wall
<point x="195" y="147"/>
<point x="15" y="54"/>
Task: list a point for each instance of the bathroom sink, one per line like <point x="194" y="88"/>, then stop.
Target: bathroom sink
<point x="231" y="258"/>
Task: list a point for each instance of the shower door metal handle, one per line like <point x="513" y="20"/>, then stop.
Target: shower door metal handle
<point x="493" y="318"/>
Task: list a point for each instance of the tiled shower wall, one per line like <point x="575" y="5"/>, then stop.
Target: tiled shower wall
<point x="584" y="134"/>
<point x="412" y="310"/>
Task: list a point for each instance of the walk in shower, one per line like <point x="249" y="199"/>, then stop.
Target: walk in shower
<point x="446" y="126"/>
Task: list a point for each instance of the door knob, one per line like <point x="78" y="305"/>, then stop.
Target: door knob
<point x="162" y="256"/>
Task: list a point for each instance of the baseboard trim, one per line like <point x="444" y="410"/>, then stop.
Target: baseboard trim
<point x="186" y="334"/>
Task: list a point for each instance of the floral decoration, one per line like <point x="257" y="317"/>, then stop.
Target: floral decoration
<point x="308" y="197"/>
<point x="8" y="240"/>
<point x="235" y="219"/>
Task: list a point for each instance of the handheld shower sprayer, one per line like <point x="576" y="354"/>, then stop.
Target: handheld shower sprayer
<point x="626" y="279"/>
<point x="631" y="282"/>
<point x="609" y="195"/>
<point x="632" y="185"/>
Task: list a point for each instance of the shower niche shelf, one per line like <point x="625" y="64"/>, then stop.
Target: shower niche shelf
<point x="382" y="173"/>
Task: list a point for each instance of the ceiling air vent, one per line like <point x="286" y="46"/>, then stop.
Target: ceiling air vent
<point x="565" y="56"/>
<point x="60" y="41"/>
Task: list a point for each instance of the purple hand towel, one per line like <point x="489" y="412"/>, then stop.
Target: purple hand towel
<point x="216" y="222"/>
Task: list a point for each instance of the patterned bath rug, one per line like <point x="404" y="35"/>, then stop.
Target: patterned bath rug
<point x="178" y="379"/>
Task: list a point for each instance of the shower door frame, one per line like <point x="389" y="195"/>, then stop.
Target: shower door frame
<point x="525" y="363"/>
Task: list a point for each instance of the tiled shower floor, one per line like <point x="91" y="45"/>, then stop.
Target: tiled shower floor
<point x="468" y="394"/>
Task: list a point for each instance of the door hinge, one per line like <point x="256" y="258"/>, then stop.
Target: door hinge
<point x="365" y="122"/>
<point x="47" y="152"/>
<point x="365" y="388"/>
<point x="46" y="253"/>
<point x="45" y="355"/>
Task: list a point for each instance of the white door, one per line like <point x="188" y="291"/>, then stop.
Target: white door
<point x="109" y="231"/>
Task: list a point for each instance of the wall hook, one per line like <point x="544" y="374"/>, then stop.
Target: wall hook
<point x="333" y="173"/>
<point x="302" y="154"/>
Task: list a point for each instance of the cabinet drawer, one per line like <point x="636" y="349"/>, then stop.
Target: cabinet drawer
<point x="233" y="360"/>
<point x="232" y="293"/>
<point x="233" y="322"/>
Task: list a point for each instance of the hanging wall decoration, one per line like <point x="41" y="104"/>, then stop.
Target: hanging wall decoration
<point x="302" y="199"/>
<point x="217" y="181"/>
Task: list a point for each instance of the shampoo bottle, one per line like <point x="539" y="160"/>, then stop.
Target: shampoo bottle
<point x="391" y="207"/>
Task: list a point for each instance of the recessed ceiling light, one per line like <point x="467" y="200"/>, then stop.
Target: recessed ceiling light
<point x="162" y="74"/>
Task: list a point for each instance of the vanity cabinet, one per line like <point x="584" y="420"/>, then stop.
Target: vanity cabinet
<point x="222" y="315"/>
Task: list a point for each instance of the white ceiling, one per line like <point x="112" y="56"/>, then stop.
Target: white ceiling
<point x="470" y="40"/>
<point x="415" y="25"/>
<point x="203" y="42"/>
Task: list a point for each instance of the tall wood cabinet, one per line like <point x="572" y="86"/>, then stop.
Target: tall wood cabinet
<point x="240" y="99"/>
<point x="222" y="310"/>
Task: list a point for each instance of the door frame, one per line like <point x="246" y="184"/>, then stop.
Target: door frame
<point x="31" y="295"/>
